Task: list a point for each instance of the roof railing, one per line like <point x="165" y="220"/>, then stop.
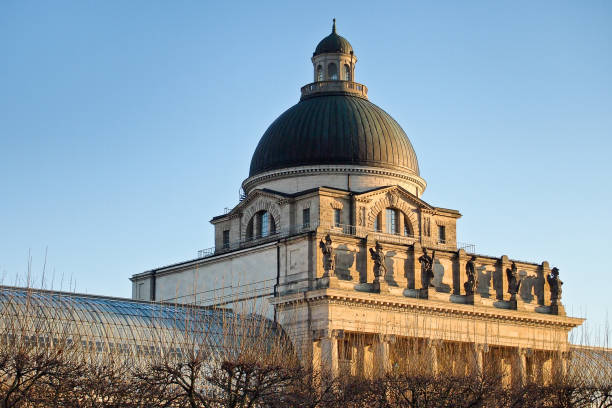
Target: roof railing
<point x="396" y="237"/>
<point x="256" y="240"/>
<point x="335" y="86"/>
<point x="346" y="229"/>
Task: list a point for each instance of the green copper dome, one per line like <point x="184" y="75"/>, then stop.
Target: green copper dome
<point x="333" y="43"/>
<point x="334" y="129"/>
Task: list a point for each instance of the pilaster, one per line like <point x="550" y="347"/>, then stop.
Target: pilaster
<point x="329" y="353"/>
<point x="545" y="268"/>
<point x="504" y="264"/>
<point x="369" y="264"/>
<point x="423" y="292"/>
<point x="462" y="277"/>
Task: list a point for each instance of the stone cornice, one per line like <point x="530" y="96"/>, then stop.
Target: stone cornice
<point x="442" y="211"/>
<point x="306" y="170"/>
<point x="433" y="307"/>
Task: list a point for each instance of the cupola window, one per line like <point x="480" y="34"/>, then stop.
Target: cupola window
<point x="319" y="73"/>
<point x="332" y="72"/>
<point x="347" y="72"/>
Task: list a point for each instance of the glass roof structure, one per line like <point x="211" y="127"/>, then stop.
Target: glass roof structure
<point x="123" y="325"/>
<point x="591" y="364"/>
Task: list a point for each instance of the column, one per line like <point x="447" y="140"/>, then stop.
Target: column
<point x="559" y="366"/>
<point x="478" y="351"/>
<point x="368" y="360"/>
<point x="460" y="359"/>
<point x="329" y="354"/>
<point x="538" y="368"/>
<point x="382" y="363"/>
<point x="319" y="374"/>
<point x="434" y="350"/>
<point x="316" y="357"/>
<point x="519" y="366"/>
<point x="547" y="368"/>
<point x="360" y="368"/>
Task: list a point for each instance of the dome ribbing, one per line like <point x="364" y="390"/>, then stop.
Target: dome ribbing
<point x="334" y="129"/>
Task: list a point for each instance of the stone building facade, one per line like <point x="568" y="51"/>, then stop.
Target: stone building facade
<point x="333" y="232"/>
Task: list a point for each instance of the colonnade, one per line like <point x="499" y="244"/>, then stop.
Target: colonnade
<point x="341" y="353"/>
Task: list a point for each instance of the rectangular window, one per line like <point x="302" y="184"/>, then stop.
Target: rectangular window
<point x="392" y="221"/>
<point x="337" y="219"/>
<point x="140" y="291"/>
<point x="442" y="234"/>
<point x="226" y="243"/>
<point x="306" y="218"/>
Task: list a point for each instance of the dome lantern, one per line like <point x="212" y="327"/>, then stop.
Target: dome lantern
<point x="334" y="59"/>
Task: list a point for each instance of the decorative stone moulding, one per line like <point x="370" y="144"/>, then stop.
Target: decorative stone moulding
<point x="395" y="177"/>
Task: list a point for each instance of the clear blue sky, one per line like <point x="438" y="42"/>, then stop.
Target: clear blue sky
<point x="126" y="126"/>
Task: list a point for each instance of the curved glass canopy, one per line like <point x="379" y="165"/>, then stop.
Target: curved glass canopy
<point x="123" y="325"/>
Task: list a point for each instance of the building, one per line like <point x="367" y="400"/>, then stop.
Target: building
<point x="333" y="231"/>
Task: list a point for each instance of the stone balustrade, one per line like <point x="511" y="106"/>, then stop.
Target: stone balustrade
<point x="349" y="87"/>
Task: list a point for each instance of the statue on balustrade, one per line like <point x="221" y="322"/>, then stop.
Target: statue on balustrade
<point x="471" y="285"/>
<point x="379" y="261"/>
<point x="328" y="254"/>
<point x="514" y="282"/>
<point x="555" y="286"/>
<point x="427" y="274"/>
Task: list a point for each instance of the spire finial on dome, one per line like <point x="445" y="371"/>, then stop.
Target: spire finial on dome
<point x="334" y="27"/>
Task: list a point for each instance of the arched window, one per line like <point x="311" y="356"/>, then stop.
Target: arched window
<point x="407" y="231"/>
<point x="332" y="72"/>
<point x="392" y="224"/>
<point x="377" y="222"/>
<point x="261" y="225"/>
<point x="319" y="73"/>
<point x="392" y="221"/>
<point x="347" y="72"/>
<point x="249" y="229"/>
